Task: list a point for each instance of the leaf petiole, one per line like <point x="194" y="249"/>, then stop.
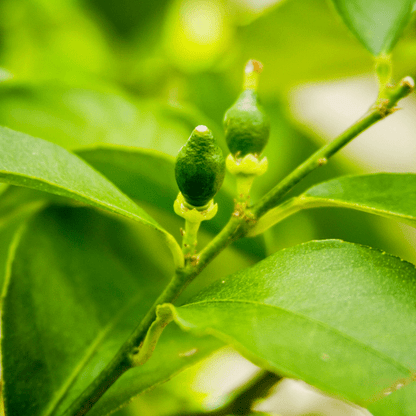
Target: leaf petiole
<point x="164" y="315"/>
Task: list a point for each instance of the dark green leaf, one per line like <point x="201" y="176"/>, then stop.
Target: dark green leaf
<point x="80" y="283"/>
<point x="376" y="23"/>
<point x="16" y="201"/>
<point x="392" y="195"/>
<point x="15" y="209"/>
<point x="340" y="316"/>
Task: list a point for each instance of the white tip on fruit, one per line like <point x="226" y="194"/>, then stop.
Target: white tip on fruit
<point x="201" y="129"/>
<point x="409" y="81"/>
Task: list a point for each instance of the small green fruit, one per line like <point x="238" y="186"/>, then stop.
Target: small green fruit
<point x="200" y="168"/>
<point x="247" y="126"/>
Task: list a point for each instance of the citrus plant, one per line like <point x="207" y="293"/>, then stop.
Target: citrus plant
<point x="93" y="314"/>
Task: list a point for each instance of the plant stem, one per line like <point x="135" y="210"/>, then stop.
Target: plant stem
<point x="190" y="238"/>
<point x="244" y="400"/>
<point x="380" y="110"/>
<point x="239" y="224"/>
<point x="123" y="359"/>
<point x="277" y="214"/>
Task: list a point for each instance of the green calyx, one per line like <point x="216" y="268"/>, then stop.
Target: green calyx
<point x="247" y="127"/>
<point x="200" y="168"/>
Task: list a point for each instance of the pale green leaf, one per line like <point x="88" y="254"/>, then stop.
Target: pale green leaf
<point x="74" y="117"/>
<point x="340" y="316"/>
<point x="392" y="195"/>
<point x="399" y="400"/>
<point x="80" y="282"/>
<point x="376" y="23"/>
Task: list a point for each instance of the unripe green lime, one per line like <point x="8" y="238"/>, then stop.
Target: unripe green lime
<point x="200" y="167"/>
<point x="247" y="126"/>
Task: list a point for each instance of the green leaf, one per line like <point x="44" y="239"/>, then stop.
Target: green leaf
<point x="44" y="166"/>
<point x="397" y="401"/>
<point x="376" y="23"/>
<point x="173" y="354"/>
<point x="38" y="164"/>
<point x="8" y="241"/>
<point x="340" y="316"/>
<point x="80" y="282"/>
<point x="391" y="195"/>
<point x="74" y="117"/>
<point x="17" y="201"/>
<point x="142" y="174"/>
<point x="15" y="209"/>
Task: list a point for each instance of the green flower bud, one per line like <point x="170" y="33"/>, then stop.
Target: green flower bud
<point x="200" y="168"/>
<point x="246" y="125"/>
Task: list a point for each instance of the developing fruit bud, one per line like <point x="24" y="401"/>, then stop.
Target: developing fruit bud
<point x="200" y="168"/>
<point x="246" y="125"/>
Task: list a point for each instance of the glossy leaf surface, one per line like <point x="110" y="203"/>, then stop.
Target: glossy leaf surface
<point x="376" y="23"/>
<point x="392" y="195"/>
<point x="80" y="283"/>
<point x="340" y="316"/>
<point x="38" y="164"/>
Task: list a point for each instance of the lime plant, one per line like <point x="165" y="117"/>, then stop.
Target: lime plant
<point x="86" y="334"/>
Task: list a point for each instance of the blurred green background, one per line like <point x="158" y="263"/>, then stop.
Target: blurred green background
<point x="145" y="73"/>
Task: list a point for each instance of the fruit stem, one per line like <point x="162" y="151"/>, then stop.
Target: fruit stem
<point x="384" y="73"/>
<point x="190" y="241"/>
<point x="251" y="74"/>
<point x="244" y="183"/>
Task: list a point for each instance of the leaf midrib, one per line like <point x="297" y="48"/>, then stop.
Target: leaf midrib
<point x="338" y="203"/>
<point x="62" y="392"/>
